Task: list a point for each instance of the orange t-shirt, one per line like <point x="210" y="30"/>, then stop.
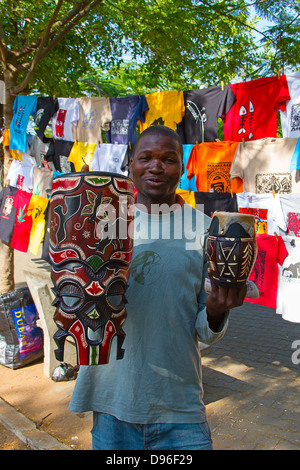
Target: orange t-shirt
<point x="211" y="162"/>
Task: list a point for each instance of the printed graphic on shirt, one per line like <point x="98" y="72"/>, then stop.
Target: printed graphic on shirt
<point x="89" y="119"/>
<point x="8" y="205"/>
<point x="120" y="126"/>
<point x="22" y="214"/>
<point x="246" y="115"/>
<point x="295" y="117"/>
<point x="39" y="114"/>
<point x="258" y="272"/>
<point x="218" y="177"/>
<point x="199" y="116"/>
<point x="20" y="181"/>
<point x="146" y="267"/>
<point x="293" y="270"/>
<point x="261" y="218"/>
<point x="158" y="122"/>
<point x="280" y="183"/>
<point x="65" y="166"/>
<point x="60" y="122"/>
<point x="18" y="118"/>
<point x="294" y="223"/>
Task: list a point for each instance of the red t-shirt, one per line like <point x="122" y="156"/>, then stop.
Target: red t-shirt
<point x="254" y="114"/>
<point x="271" y="252"/>
<point x="23" y="222"/>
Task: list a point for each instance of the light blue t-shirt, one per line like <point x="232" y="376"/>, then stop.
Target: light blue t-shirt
<point x="24" y="107"/>
<point x="184" y="182"/>
<point x="159" y="379"/>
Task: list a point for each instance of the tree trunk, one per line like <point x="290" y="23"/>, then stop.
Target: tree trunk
<point x="7" y="281"/>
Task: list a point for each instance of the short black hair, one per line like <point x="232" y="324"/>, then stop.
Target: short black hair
<point x="159" y="130"/>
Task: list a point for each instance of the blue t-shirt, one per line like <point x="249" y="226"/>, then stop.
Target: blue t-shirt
<point x="159" y="378"/>
<point x="24" y="107"/>
<point x="184" y="182"/>
<point x="126" y="111"/>
<point x="295" y="161"/>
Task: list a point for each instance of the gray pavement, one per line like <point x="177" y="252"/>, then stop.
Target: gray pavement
<point x="251" y="382"/>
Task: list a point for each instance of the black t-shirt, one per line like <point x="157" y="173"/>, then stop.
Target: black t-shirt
<point x="7" y="213"/>
<point x="58" y="153"/>
<point x="216" y="202"/>
<point x="202" y="110"/>
<point x="46" y="108"/>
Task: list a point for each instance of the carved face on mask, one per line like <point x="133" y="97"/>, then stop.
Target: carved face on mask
<point x="90" y="249"/>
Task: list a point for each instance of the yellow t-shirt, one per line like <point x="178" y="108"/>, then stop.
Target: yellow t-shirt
<point x="187" y="196"/>
<point x="211" y="162"/>
<point x="165" y="108"/>
<point x="37" y="208"/>
<point x="82" y="153"/>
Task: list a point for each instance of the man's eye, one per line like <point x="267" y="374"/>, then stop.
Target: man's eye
<point x="144" y="157"/>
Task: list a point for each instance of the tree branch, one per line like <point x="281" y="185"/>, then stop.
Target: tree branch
<point x="41" y="53"/>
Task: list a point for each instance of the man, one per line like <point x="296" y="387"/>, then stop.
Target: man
<point x="152" y="398"/>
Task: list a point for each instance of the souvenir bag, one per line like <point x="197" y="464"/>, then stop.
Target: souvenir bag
<point x="90" y="248"/>
<point x="231" y="248"/>
<point x="21" y="340"/>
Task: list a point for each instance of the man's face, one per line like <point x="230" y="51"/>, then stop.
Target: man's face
<point x="156" y="168"/>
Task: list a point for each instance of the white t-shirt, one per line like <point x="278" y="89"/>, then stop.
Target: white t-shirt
<point x="20" y="173"/>
<point x="267" y="211"/>
<point x="65" y="118"/>
<point x="290" y="207"/>
<point x="289" y="282"/>
<point x="109" y="157"/>
<point x="264" y="165"/>
<point x="290" y="118"/>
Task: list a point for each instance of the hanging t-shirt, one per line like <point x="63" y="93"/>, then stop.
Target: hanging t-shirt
<point x="7" y="212"/>
<point x="20" y="173"/>
<point x="94" y="115"/>
<point x="290" y="117"/>
<point x="24" y="107"/>
<point x="254" y="114"/>
<point x="202" y="110"/>
<point x="126" y="112"/>
<point x="23" y="221"/>
<point x="187" y="196"/>
<point x="42" y="180"/>
<point x="295" y="161"/>
<point x="37" y="209"/>
<point x="109" y="157"/>
<point x="266" y="209"/>
<point x="6" y="137"/>
<point x="271" y="251"/>
<point x="185" y="183"/>
<point x="211" y="162"/>
<point x="165" y="108"/>
<point x="290" y="206"/>
<point x="47" y="106"/>
<point x="39" y="150"/>
<point x="211" y="202"/>
<point x="58" y="153"/>
<point x="81" y="154"/>
<point x="65" y="118"/>
<point x="289" y="282"/>
<point x="264" y="164"/>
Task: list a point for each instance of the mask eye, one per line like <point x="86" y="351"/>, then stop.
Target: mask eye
<point x="115" y="295"/>
<point x="72" y="297"/>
